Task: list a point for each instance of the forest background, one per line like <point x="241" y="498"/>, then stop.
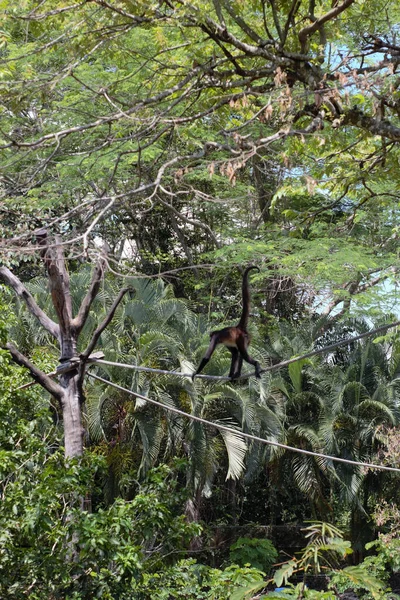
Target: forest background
<point x="149" y="152"/>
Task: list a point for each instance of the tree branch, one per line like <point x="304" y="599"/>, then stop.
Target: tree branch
<point x="353" y="288"/>
<point x="276" y="19"/>
<point x="86" y="353"/>
<point x="218" y="11"/>
<point x="374" y="126"/>
<point x="59" y="282"/>
<point x="194" y="222"/>
<point x="44" y="380"/>
<point x="54" y="137"/>
<point x="331" y="14"/>
<point x="97" y="276"/>
<point x="241" y="22"/>
<point x="21" y="291"/>
<point x="289" y="21"/>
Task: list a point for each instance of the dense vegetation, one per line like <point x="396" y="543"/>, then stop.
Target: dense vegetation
<point x="149" y="151"/>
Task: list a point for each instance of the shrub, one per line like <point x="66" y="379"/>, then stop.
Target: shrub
<point x="260" y="553"/>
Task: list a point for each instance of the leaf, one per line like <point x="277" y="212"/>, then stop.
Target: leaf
<point x="236" y="448"/>
<point x="247" y="592"/>
<point x="360" y="576"/>
<point x="286" y="571"/>
<point x="295" y="374"/>
<point x="359" y="98"/>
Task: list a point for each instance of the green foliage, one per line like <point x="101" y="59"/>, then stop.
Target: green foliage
<point x="301" y="590"/>
<point x="227" y="132"/>
<point x="361" y="579"/>
<point x="50" y="546"/>
<point x="93" y="105"/>
<point x="325" y="541"/>
<point x="325" y="545"/>
<point x="192" y="581"/>
<point x="257" y="552"/>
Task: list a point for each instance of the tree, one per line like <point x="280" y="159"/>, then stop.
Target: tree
<point x="69" y="391"/>
<point x="206" y="118"/>
<point x="362" y="398"/>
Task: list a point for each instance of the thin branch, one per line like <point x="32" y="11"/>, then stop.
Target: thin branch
<point x="94" y="223"/>
<point x="21" y="291"/>
<point x="44" y="380"/>
<point x="276" y="19"/>
<point x="184" y="245"/>
<point x="32" y="16"/>
<point x="49" y="137"/>
<point x="267" y="31"/>
<point x="289" y="21"/>
<point x="242" y="24"/>
<point x="77" y="209"/>
<point x="331" y="14"/>
<point x="194" y="222"/>
<point x="86" y="353"/>
<point x="97" y="276"/>
<point x="218" y="11"/>
<point x="351" y="289"/>
<point x="135" y="18"/>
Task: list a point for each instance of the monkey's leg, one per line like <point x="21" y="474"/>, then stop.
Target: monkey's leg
<point x="235" y="357"/>
<point x="206" y="358"/>
<point x="245" y="355"/>
<point x="238" y="368"/>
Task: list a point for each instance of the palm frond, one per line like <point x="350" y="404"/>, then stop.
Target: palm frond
<point x="151" y="434"/>
<point x="236" y="448"/>
<point x="378" y="411"/>
<point x="95" y="395"/>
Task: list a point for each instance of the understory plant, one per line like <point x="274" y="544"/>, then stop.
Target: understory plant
<point x="324" y="551"/>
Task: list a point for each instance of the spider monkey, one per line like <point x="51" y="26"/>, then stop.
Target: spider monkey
<point x="236" y="339"/>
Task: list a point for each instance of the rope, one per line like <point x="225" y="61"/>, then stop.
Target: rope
<point x="162" y="371"/>
<point x="280" y="365"/>
<point x="241" y="433"/>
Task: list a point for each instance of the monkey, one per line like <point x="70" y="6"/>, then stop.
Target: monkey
<point x="236" y="339"/>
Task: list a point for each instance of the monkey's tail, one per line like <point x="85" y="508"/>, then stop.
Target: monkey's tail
<point x="244" y="318"/>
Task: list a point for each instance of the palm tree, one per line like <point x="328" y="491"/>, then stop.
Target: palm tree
<point x="300" y="388"/>
<point x="362" y="397"/>
<point x="146" y="332"/>
<point x="155" y="329"/>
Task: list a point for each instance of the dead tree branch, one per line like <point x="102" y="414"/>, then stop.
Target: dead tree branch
<point x="86" y="353"/>
<point x="44" y="380"/>
<point x="97" y="277"/>
<point x="21" y="291"/>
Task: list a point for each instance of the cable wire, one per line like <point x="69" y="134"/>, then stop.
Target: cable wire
<point x="280" y="365"/>
<point x="241" y="433"/>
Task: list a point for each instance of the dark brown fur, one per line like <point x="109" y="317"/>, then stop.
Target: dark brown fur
<point x="236" y="339"/>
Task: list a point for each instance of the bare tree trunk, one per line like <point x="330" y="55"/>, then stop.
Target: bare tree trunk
<point x="72" y="416"/>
